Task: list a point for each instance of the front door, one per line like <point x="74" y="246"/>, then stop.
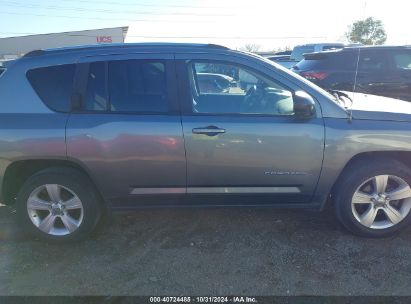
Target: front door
<point x="401" y="74"/>
<point x="374" y="75"/>
<point x="243" y="143"/>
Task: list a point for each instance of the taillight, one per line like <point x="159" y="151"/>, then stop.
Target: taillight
<point x="314" y="75"/>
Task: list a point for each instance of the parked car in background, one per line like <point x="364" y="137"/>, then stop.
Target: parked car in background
<point x="86" y="129"/>
<point x="299" y="50"/>
<point x="278" y="57"/>
<point x="288" y="52"/>
<point x="283" y="60"/>
<point x="211" y="82"/>
<point x="382" y="70"/>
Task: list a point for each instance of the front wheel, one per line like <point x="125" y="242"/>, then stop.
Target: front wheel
<point x="58" y="204"/>
<point x="374" y="198"/>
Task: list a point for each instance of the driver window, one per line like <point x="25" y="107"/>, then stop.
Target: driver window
<point x="222" y="88"/>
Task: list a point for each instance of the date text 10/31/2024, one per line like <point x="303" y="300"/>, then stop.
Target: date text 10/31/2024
<point x="182" y="299"/>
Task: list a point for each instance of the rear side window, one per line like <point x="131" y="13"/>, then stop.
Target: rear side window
<point x="127" y="86"/>
<point x="371" y="61"/>
<point x="96" y="95"/>
<point x="54" y="85"/>
<point x="1" y="71"/>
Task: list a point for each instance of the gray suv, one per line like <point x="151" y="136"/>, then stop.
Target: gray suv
<point x="88" y="129"/>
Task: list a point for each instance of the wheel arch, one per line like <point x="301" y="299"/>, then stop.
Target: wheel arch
<point x="19" y="171"/>
<point x="373" y="156"/>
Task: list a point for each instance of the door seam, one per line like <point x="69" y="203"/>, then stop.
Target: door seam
<point x="181" y="118"/>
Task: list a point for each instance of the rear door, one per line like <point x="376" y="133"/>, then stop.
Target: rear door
<point x="127" y="130"/>
<point x="243" y="143"/>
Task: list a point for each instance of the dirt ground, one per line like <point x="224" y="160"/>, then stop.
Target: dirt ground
<point x="207" y="252"/>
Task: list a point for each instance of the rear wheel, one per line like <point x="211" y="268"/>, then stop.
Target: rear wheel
<point x="374" y="198"/>
<point x="58" y="204"/>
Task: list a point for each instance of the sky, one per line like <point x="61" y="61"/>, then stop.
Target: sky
<point x="233" y="23"/>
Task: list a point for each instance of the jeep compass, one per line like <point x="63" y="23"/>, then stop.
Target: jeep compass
<point x="87" y="129"/>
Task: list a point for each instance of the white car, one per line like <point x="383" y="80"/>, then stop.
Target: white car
<point x="299" y="50"/>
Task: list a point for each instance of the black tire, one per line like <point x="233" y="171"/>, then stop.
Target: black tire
<point x="353" y="176"/>
<point x="72" y="179"/>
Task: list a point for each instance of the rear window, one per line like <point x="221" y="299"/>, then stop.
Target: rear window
<point x="309" y="64"/>
<point x="54" y="85"/>
<point x="332" y="61"/>
<point x="299" y="51"/>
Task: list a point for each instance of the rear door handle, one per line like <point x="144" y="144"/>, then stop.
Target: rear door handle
<point x="209" y="131"/>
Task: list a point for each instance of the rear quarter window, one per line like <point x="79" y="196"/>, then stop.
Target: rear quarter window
<point x="54" y="85"/>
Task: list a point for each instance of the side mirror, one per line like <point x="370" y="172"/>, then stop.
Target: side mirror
<point x="304" y="105"/>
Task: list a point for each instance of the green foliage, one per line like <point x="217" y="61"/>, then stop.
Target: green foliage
<point x="368" y="32"/>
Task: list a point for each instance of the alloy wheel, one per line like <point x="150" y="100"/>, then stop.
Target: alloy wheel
<point x="381" y="201"/>
<point x="55" y="209"/>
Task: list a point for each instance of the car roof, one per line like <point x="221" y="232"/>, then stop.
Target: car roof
<point x="355" y="48"/>
<point x="118" y="46"/>
<point x="325" y="44"/>
<point x="378" y="47"/>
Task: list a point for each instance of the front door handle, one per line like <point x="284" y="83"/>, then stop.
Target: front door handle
<point x="209" y="131"/>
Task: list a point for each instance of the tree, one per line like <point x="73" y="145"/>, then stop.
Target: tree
<point x="250" y="47"/>
<point x="368" y="32"/>
<point x="280" y="49"/>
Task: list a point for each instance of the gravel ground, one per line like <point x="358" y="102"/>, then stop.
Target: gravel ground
<point x="208" y="252"/>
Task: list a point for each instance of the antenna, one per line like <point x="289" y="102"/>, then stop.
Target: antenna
<point x="365" y="9"/>
<point x="355" y="84"/>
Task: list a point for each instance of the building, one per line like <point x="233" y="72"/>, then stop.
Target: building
<point x="14" y="47"/>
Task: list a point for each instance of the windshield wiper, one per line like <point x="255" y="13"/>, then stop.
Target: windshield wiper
<point x="341" y="97"/>
<point x="339" y="94"/>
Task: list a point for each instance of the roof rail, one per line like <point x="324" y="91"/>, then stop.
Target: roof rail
<point x="120" y="45"/>
<point x="217" y="46"/>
